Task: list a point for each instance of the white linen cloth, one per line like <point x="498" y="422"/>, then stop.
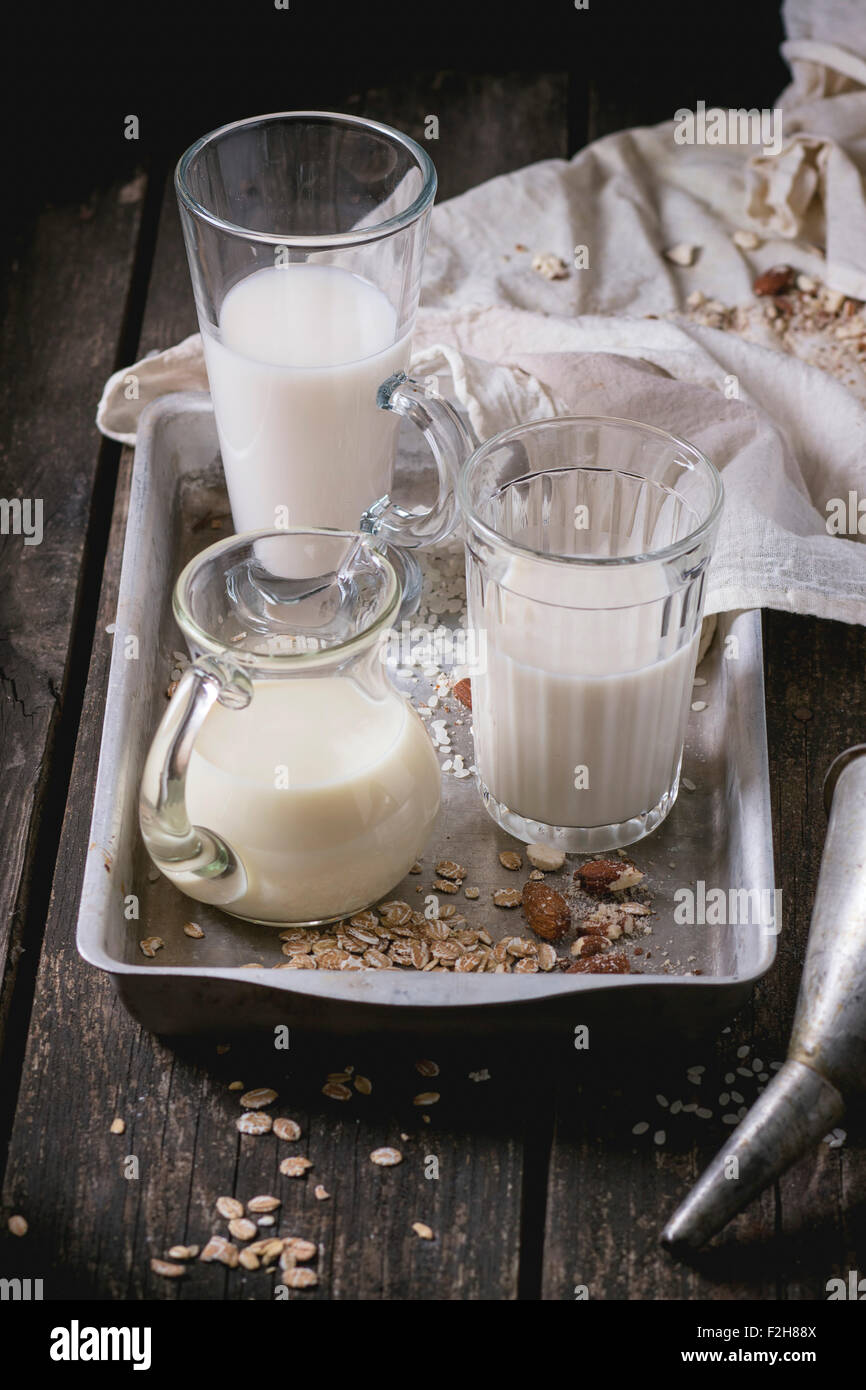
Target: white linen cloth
<point x="512" y="346"/>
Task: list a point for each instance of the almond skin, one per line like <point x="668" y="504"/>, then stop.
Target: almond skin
<point x="607" y="876"/>
<point x="775" y="280"/>
<point x="616" y="963"/>
<point x="463" y="692"/>
<point x="545" y="910"/>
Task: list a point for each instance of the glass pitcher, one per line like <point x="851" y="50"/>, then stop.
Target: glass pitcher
<point x="289" y="781"/>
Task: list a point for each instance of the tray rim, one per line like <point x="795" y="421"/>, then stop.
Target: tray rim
<point x="358" y="988"/>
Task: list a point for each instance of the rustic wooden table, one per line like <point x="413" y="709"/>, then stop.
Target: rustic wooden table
<point x="539" y="1184"/>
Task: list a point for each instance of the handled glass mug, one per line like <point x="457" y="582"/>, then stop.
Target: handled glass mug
<point x="305" y="233"/>
<point x="588" y="543"/>
<point x="288" y="781"/>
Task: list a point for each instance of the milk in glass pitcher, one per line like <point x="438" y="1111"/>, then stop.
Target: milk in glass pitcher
<point x="289" y="781"/>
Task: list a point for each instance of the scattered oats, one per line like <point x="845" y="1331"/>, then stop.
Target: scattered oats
<point x="536" y="876"/>
<point x="681" y="254"/>
<point x="744" y="1071"/>
<point x="242" y="1229"/>
<point x="744" y="1050"/>
<point x="662" y="1100"/>
<point x="703" y="1113"/>
<point x="294" y="1248"/>
<point x="444" y="885"/>
<point x="183" y="1252"/>
<point x="150" y="945"/>
<point x="730" y="1120"/>
<point x="836" y="1138"/>
<point x="193" y="929"/>
<point x="300" y="1278"/>
<point x="724" y="1098"/>
<point x="806" y="284"/>
<point x="735" y="1095"/>
<point x="254" y="1100"/>
<point x="676" y="1107"/>
<point x="641" y="1127"/>
<point x="659" y="1137"/>
<point x="472" y="892"/>
<point x="287" y="1129"/>
<point x="236" y="1085"/>
<point x="363" y="1085"/>
<point x="447" y="868"/>
<point x="296" y="1166"/>
<point x="266" y="1221"/>
<point x="118" y="1126"/>
<point x="426" y="1098"/>
<point x="687" y="783"/>
<point x="690" y="1108"/>
<point x="764" y="1076"/>
<point x="426" y="1068"/>
<point x="166" y="1270"/>
<point x="386" y="1157"/>
<point x="17" y="1225"/>
<point x="757" y="1064"/>
<point x="267" y="1250"/>
<point x="546" y="956"/>
<point x="248" y="1259"/>
<point x="421" y="1229"/>
<point x="776" y="1066"/>
<point x="229" y="1207"/>
<point x="416" y="868"/>
<point x="509" y="859"/>
<point x="483" y="1075"/>
<point x="698" y="705"/>
<point x="264" y="1203"/>
<point x="320" y="1193"/>
<point x="254" y="1122"/>
<point x="221" y="1250"/>
<point x="729" y="1078"/>
<point x="695" y="299"/>
<point x="223" y="1048"/>
<point x="336" y="1090"/>
<point x="507" y="897"/>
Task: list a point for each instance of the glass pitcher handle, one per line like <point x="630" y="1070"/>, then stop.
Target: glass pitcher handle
<point x="450" y="443"/>
<point x="196" y="859"/>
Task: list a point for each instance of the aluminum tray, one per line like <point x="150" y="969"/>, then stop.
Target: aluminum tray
<point x="719" y="833"/>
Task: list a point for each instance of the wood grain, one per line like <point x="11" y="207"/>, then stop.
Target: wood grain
<point x="67" y="284"/>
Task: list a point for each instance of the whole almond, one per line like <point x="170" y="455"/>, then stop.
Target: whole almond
<point x="775" y="280"/>
<point x="545" y="910"/>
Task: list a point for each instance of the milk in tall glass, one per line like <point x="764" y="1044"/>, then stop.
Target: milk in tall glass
<point x="301" y="353"/>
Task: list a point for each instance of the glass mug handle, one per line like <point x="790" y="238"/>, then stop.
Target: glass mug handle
<point x="450" y="443"/>
<point x="196" y="859"/>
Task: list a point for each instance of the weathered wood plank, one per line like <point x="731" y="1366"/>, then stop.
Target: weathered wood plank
<point x="67" y="284"/>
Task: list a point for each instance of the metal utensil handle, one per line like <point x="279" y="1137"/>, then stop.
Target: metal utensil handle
<point x="829" y="1031"/>
<point x="450" y="444"/>
<point x="197" y="859"/>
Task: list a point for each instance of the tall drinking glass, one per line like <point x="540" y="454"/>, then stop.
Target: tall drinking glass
<point x="588" y="542"/>
<point x="305" y="233"/>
